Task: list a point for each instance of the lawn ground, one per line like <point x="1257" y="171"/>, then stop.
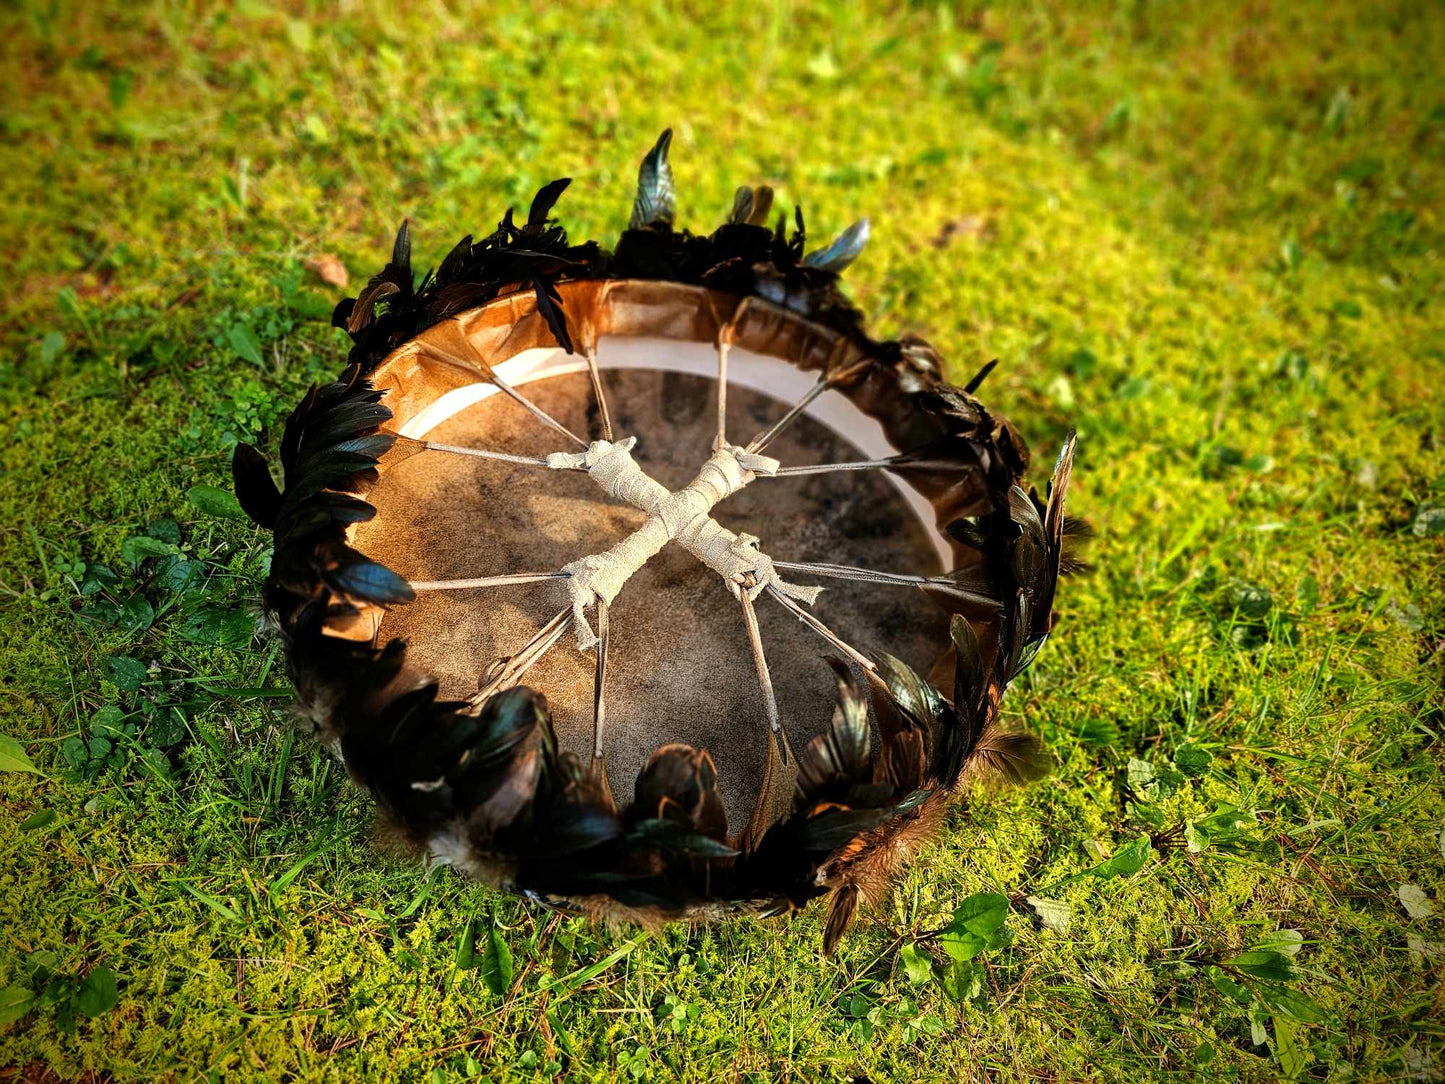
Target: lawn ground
<point x="1207" y="235"/>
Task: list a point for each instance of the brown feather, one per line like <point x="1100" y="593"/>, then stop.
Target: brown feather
<point x="840" y="917"/>
<point x="1017" y="756"/>
<point x="775" y="796"/>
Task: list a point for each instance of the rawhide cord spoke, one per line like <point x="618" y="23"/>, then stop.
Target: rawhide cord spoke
<point x="828" y="468"/>
<point x="599" y="687"/>
<point x="595" y="374"/>
<point x="723" y="343"/>
<point x="760" y="660"/>
<point x="766" y="437"/>
<point x="491" y="375"/>
<point x="722" y="387"/>
<point x="510" y="670"/>
<point x="866" y="464"/>
<point x="480" y="453"/>
<point x="538" y="412"/>
<point x="485" y="581"/>
<point x="826" y="381"/>
<point x="599" y="679"/>
<point x="822" y="630"/>
<point x="869" y="575"/>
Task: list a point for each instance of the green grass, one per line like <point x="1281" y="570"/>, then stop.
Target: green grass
<point x="1208" y="235"/>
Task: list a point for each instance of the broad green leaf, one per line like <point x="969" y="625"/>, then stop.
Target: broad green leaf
<point x="166" y="726"/>
<point x="1196" y="838"/>
<point x="101" y="611"/>
<point x="1408" y="616"/>
<point x="178" y="574"/>
<point x="962" y="981"/>
<point x="316" y="128"/>
<point x="97" y="578"/>
<point x="466" y="958"/>
<point x="137" y="614"/>
<point x="916" y="964"/>
<point x="981" y="914"/>
<point x="1422" y="950"/>
<point x="1054" y="914"/>
<point x="15" y="1002"/>
<point x="1292" y="1003"/>
<point x="1292" y="1060"/>
<point x="214" y="501"/>
<point x="1258" y="1032"/>
<point x="97" y="994"/>
<point x="1250" y="600"/>
<point x="1285" y="942"/>
<point x="154" y="761"/>
<point x="1141" y="776"/>
<point x="1429" y="521"/>
<point x="138" y="547"/>
<point x="960" y="944"/>
<point x="496" y="963"/>
<point x="298" y="33"/>
<point x="1192" y="761"/>
<point x="1146" y="811"/>
<point x="165" y="529"/>
<point x="1170" y="779"/>
<point x="1127" y="860"/>
<point x="1226" y="818"/>
<point x="38" y="820"/>
<point x="42" y="962"/>
<point x="1228" y="987"/>
<point x="124" y="672"/>
<point x="245" y="344"/>
<point x="14" y="758"/>
<point x="1263" y="964"/>
<point x="218" y="625"/>
<point x="57" y="991"/>
<point x="107" y="720"/>
<point x="51" y="346"/>
<point x="74" y="751"/>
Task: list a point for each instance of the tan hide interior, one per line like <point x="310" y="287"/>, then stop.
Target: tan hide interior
<point x="680" y="667"/>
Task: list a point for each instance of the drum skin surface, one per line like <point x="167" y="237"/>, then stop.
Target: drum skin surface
<point x="679" y="668"/>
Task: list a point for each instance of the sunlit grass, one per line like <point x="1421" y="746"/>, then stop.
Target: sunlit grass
<point x="1209" y="238"/>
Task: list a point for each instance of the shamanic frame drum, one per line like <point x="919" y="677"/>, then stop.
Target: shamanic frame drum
<point x="624" y="477"/>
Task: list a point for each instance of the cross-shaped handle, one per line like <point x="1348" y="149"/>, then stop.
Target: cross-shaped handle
<point x="682" y="517"/>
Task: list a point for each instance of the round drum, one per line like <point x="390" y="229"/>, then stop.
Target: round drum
<point x="644" y="582"/>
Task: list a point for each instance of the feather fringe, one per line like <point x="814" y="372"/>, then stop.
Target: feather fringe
<point x="487" y="788"/>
